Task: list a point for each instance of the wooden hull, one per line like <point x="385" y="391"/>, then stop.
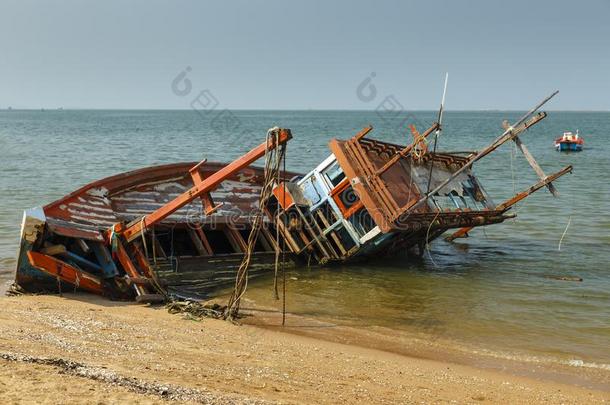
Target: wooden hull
<point x="185" y="228"/>
<point x="187" y="248"/>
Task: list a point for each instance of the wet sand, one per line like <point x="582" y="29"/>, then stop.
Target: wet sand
<point x="92" y="350"/>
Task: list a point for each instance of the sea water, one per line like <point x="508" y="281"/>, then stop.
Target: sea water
<point x="496" y="289"/>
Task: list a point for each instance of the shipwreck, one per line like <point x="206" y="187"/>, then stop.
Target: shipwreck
<point x="187" y="228"/>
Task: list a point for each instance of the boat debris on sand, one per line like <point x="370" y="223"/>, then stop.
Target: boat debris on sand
<point x="185" y="229"/>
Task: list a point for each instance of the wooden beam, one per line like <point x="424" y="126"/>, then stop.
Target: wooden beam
<point x="129" y="267"/>
<point x="405" y="151"/>
<point x="530" y="159"/>
<point x="205" y="186"/>
<point x="54" y="250"/>
<point x="235" y="239"/>
<point x="65" y="272"/>
<point x="268" y="244"/>
<point x="510" y="133"/>
<point x="206" y="199"/>
<point x="463" y="232"/>
<point x="196" y="241"/>
<point x="363" y="133"/>
<point x="204" y="239"/>
<point x="158" y="247"/>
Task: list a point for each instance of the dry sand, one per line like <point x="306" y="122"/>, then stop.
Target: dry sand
<point x="81" y="349"/>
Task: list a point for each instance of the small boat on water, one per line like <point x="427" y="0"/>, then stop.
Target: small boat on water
<point x="569" y="142"/>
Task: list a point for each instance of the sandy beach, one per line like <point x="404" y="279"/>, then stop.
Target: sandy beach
<point x="87" y="349"/>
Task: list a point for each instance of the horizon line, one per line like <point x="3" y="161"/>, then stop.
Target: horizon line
<point x="45" y="109"/>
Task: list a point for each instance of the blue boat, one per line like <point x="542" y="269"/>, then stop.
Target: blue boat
<point x="569" y="142"/>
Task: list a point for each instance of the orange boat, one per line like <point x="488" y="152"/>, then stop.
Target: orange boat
<point x="569" y="142"/>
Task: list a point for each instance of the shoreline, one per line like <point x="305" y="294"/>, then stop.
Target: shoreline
<point x="428" y="347"/>
<point x="305" y="362"/>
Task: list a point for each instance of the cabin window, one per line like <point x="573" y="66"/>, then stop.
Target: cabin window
<point x="362" y="222"/>
<point x="325" y="216"/>
<point x="346" y="199"/>
<point x="311" y="191"/>
<point x="341" y="240"/>
<point x="334" y="173"/>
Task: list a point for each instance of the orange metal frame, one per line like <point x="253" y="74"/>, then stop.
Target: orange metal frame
<point x="202" y="187"/>
<point x="65" y="272"/>
<point x="335" y="194"/>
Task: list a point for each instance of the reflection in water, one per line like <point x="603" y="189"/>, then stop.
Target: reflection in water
<point x="499" y="306"/>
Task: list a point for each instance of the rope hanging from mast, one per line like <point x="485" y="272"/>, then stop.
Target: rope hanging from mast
<point x="273" y="159"/>
<point x="438" y="131"/>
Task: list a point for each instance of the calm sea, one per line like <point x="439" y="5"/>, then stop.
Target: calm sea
<point x="491" y="290"/>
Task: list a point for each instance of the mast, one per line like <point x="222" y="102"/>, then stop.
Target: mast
<point x="438" y="130"/>
<point x="507" y="135"/>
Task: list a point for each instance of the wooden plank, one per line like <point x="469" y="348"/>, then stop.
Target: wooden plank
<point x="333" y="235"/>
<point x="65" y="272"/>
<point x="270" y="237"/>
<point x="530" y="159"/>
<point x="206" y="199"/>
<point x="54" y="250"/>
<point x="207" y="185"/>
<point x="196" y="241"/>
<point x="317" y="236"/>
<point x="204" y="239"/>
<point x="104" y="258"/>
<point x="363" y="132"/>
<point x="83" y="245"/>
<point x="238" y="243"/>
<point x="158" y="247"/>
<point x="463" y="232"/>
<point x="285" y="234"/>
<point x="128" y="266"/>
<point x="263" y="238"/>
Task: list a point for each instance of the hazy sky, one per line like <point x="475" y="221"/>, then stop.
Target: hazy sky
<point x="310" y="54"/>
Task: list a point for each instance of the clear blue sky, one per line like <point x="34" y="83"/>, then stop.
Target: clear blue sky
<point x="310" y="54"/>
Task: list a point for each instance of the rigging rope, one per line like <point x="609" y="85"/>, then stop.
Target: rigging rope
<point x="277" y="236"/>
<point x="273" y="157"/>
<point x="564" y="233"/>
<point x="284" y="253"/>
<point x="428" y="236"/>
